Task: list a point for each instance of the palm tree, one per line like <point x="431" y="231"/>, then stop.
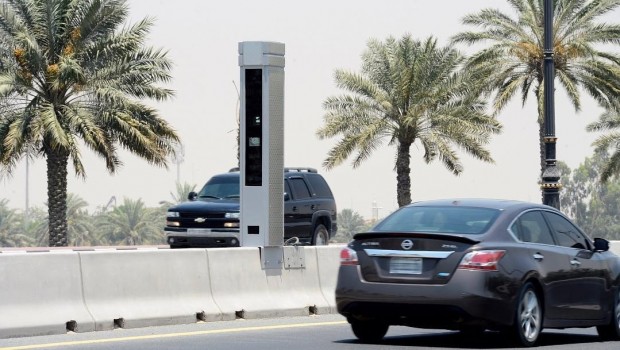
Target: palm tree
<point x="513" y="63"/>
<point x="80" y="229"/>
<point x="35" y="227"/>
<point x="609" y="121"/>
<point x="10" y="227"/>
<point x="131" y="223"/>
<point x="182" y="190"/>
<point x="69" y="75"/>
<point x="408" y="91"/>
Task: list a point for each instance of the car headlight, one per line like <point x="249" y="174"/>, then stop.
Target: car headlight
<point x="232" y="215"/>
<point x="172" y="214"/>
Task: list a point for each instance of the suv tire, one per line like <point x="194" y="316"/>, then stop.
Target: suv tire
<point x="321" y="235"/>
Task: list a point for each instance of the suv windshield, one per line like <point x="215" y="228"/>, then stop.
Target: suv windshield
<point x="221" y="187"/>
<point x="466" y="220"/>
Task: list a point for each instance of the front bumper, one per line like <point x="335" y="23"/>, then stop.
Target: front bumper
<point x="470" y="298"/>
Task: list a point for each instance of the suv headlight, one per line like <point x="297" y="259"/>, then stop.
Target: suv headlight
<point x="232" y="215"/>
<point x="172" y="214"/>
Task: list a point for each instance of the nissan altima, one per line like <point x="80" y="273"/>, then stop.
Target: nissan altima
<point x="478" y="264"/>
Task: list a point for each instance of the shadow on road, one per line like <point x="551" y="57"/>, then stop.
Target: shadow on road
<point x="487" y="340"/>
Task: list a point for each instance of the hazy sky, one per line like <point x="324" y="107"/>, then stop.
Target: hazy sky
<point x="320" y="36"/>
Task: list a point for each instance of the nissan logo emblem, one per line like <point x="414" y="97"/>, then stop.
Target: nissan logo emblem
<point x="407" y="244"/>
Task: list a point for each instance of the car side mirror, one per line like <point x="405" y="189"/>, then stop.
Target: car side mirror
<point x="192" y="196"/>
<point x="601" y="245"/>
<point x="286" y="196"/>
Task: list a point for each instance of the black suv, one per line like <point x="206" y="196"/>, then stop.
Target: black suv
<point x="211" y="217"/>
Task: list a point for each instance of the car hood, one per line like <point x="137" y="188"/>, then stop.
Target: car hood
<point x="210" y="206"/>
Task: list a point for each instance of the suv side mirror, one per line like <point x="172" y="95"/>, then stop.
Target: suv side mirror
<point x="286" y="196"/>
<point x="601" y="245"/>
<point x="192" y="196"/>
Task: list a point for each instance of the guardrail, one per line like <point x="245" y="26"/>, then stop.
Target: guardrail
<point x="58" y="291"/>
<point x="53" y="292"/>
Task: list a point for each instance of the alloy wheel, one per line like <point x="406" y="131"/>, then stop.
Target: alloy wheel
<point x="529" y="316"/>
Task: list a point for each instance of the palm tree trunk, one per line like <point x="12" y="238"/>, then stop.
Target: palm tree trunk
<point x="403" y="172"/>
<point x="57" y="162"/>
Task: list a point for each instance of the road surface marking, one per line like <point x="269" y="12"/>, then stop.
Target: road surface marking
<point x="169" y="335"/>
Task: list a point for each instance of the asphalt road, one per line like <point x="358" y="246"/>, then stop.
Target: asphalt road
<point x="300" y="333"/>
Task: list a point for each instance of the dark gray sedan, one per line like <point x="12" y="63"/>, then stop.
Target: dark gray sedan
<point x="478" y="264"/>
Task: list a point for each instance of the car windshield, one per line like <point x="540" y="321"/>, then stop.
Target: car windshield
<point x="449" y="219"/>
<point x="220" y="187"/>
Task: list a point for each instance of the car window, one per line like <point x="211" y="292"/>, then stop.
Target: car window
<point x="300" y="190"/>
<point x="462" y="220"/>
<point x="319" y="185"/>
<point x="565" y="232"/>
<point x="287" y="189"/>
<point x="221" y="187"/>
<point x="531" y="227"/>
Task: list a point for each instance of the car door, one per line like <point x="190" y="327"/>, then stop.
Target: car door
<point x="549" y="260"/>
<point x="585" y="290"/>
<point x="289" y="214"/>
<point x="301" y="207"/>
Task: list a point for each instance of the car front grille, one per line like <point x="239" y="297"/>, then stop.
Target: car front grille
<point x="202" y="215"/>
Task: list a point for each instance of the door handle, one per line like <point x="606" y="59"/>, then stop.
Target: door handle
<point x="538" y="257"/>
<point x="575" y="263"/>
<point x="294" y="208"/>
<point x="313" y="207"/>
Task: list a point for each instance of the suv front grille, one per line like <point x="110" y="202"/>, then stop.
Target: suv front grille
<point x="202" y="215"/>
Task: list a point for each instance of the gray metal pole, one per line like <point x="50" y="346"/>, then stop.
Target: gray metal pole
<point x="551" y="175"/>
<point x="27" y="211"/>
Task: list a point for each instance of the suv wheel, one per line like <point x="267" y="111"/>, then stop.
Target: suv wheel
<point x="321" y="235"/>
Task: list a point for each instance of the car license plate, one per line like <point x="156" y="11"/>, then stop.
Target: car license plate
<point x="406" y="266"/>
<point x="198" y="231"/>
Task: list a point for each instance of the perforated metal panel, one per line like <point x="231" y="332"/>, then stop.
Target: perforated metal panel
<point x="276" y="156"/>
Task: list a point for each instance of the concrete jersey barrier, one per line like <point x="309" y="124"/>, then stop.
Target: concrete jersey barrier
<point x="242" y="289"/>
<point x="41" y="294"/>
<point x="328" y="260"/>
<point x="54" y="292"/>
<point x="129" y="289"/>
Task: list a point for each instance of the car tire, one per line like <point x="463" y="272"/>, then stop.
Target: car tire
<point x="368" y="331"/>
<point x="321" y="235"/>
<point x="528" y="320"/>
<point x="611" y="331"/>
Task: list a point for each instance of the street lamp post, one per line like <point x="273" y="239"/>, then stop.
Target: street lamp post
<point x="551" y="175"/>
<point x="27" y="212"/>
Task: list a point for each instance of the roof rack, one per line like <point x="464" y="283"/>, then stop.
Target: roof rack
<point x="286" y="170"/>
<point x="300" y="169"/>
